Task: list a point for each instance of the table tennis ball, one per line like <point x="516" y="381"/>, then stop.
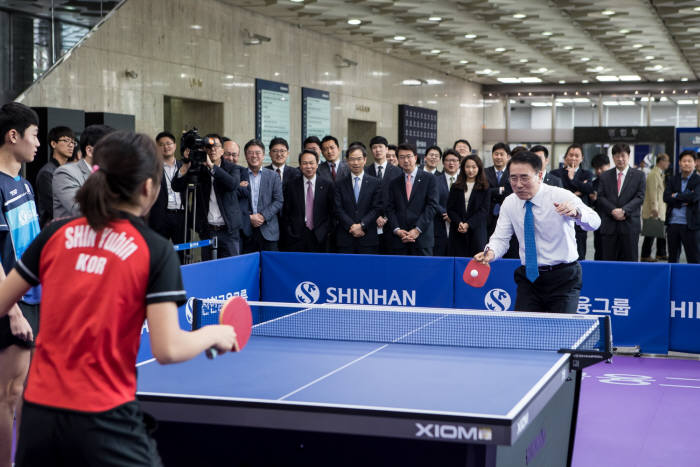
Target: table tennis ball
<point x="474" y="273"/>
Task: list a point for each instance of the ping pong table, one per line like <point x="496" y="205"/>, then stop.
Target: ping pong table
<point x="379" y="386"/>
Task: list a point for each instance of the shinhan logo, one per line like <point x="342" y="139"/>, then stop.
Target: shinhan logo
<point x="497" y="300"/>
<point x="460" y="432"/>
<point x="307" y="292"/>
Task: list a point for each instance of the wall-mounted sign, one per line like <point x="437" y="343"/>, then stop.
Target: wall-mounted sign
<point x="315" y="113"/>
<point x="271" y="111"/>
<point x="418" y="126"/>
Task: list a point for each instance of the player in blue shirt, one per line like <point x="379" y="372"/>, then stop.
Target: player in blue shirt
<point x="19" y="224"/>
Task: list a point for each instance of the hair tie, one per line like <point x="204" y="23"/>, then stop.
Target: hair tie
<point x="95" y="168"/>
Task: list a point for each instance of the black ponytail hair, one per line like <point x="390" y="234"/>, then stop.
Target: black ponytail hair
<point x="123" y="162"/>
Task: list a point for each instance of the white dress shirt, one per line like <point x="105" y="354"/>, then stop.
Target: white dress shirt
<point x="214" y="216"/>
<point x="554" y="234"/>
<point x="383" y="166"/>
<point x="447" y="179"/>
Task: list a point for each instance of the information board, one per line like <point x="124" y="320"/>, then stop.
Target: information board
<point x="271" y="111"/>
<point x="418" y="126"/>
<point x="315" y="113"/>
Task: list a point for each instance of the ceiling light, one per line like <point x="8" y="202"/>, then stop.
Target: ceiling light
<point x="585" y="81"/>
<point x="195" y="26"/>
<point x="610" y="103"/>
<point x="624" y="31"/>
<point x="519" y="16"/>
<point x="697" y="8"/>
<point x="499" y="49"/>
<point x="508" y="80"/>
<point x="399" y="38"/>
<point x="530" y="79"/>
<point x="564" y="100"/>
<point x="541" y="104"/>
<point x="630" y="78"/>
<point x="626" y="103"/>
<point x="607" y="79"/>
<point x="547" y="33"/>
<point x="485" y="71"/>
<point x="561" y="81"/>
<point x="435" y="51"/>
<point x="685" y="102"/>
<point x="638" y="46"/>
<point x="607" y="12"/>
<point x="523" y="60"/>
<point x="663" y="98"/>
<point x="684" y="79"/>
<point x="435" y="18"/>
<point x="660" y="80"/>
<point x="470" y="36"/>
<point x="542" y="70"/>
<point x="297" y="1"/>
<point x="649" y="57"/>
<point x="585" y="59"/>
<point x="464" y="62"/>
<point x="354" y="21"/>
<point x="433" y="81"/>
<point x="568" y="47"/>
<point x="411" y="82"/>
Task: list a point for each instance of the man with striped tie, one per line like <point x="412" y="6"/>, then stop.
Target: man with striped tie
<point x="542" y="217"/>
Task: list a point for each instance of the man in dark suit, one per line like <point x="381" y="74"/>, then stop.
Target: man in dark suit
<point x="218" y="211"/>
<point x="600" y="163"/>
<point x="580" y="182"/>
<point x="385" y="172"/>
<point x="500" y="188"/>
<point x="167" y="216"/>
<point x="682" y="198"/>
<point x="620" y="198"/>
<point x="307" y="214"/>
<point x="358" y="200"/>
<point x="549" y="178"/>
<point x="413" y="202"/>
<point x="279" y="151"/>
<point x="261" y="224"/>
<point x="333" y="168"/>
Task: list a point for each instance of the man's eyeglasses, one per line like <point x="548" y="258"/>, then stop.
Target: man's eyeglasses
<point x="68" y="141"/>
<point x="163" y="145"/>
<point x="278" y="151"/>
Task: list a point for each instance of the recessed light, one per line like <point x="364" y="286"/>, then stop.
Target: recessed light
<point x="297" y="1"/>
<point x="464" y="62"/>
<point x="399" y="38"/>
<point x="435" y="51"/>
<point x="485" y="71"/>
<point x="435" y="18"/>
<point x="568" y="47"/>
<point x="585" y="81"/>
<point x="411" y="82"/>
<point x="697" y="8"/>
<point x="649" y="57"/>
<point x="547" y="33"/>
<point x="660" y="80"/>
<point x="638" y="46"/>
<point x="195" y="26"/>
<point x="542" y="70"/>
<point x="519" y="16"/>
<point x="354" y="21"/>
<point x="684" y="79"/>
<point x="585" y="59"/>
<point x="624" y="31"/>
<point x="500" y="49"/>
<point x="523" y="60"/>
<point x="630" y="78"/>
<point x="561" y="81"/>
<point x="607" y="79"/>
<point x="607" y="12"/>
<point x="470" y="36"/>
<point x="508" y="80"/>
<point x="530" y="79"/>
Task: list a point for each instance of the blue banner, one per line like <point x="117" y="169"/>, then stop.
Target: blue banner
<point x="634" y="295"/>
<point x="220" y="279"/>
<point x="685" y="308"/>
<point x="359" y="279"/>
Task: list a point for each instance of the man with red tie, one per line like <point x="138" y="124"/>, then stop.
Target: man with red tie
<point x="333" y="168"/>
<point x="411" y="206"/>
<point x="307" y="214"/>
<point x="620" y="197"/>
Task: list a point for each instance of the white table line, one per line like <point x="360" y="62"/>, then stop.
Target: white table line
<point x="321" y="378"/>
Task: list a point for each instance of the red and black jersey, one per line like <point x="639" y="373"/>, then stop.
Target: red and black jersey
<point x="96" y="286"/>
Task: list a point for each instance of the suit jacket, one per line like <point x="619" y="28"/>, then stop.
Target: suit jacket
<point x="654" y="195"/>
<point x="443" y="194"/>
<point x="244" y="201"/>
<point x="289" y="174"/>
<point x="582" y="182"/>
<point x="43" y="189"/>
<point x="341" y="170"/>
<point x="475" y="214"/>
<point x="225" y="185"/>
<point x="67" y="180"/>
<point x="157" y="215"/>
<point x="418" y="211"/>
<point x="294" y="210"/>
<point x="270" y="201"/>
<point x="630" y="200"/>
<point x="691" y="196"/>
<point x="553" y="180"/>
<point x="390" y="173"/>
<point x="364" y="211"/>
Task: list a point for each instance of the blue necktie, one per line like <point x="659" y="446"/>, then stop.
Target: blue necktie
<point x="356" y="188"/>
<point x="498" y="175"/>
<point x="530" y="246"/>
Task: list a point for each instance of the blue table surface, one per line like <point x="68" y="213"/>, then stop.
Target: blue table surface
<point x="359" y="374"/>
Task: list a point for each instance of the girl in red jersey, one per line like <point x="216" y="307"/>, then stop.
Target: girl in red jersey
<point x="102" y="275"/>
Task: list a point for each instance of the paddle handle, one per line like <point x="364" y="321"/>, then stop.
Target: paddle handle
<point x="211" y="353"/>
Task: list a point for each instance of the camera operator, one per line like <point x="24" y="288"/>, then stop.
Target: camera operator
<point x="218" y="211"/>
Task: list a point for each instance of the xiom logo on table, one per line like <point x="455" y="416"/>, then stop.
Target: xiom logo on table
<point x="453" y="432"/>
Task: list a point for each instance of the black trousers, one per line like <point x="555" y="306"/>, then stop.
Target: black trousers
<point x="660" y="246"/>
<point x="620" y="247"/>
<point x="410" y="249"/>
<point x="307" y="243"/>
<point x="358" y="249"/>
<point x="441" y="246"/>
<point x="554" y="291"/>
<point x="256" y="242"/>
<point x="581" y="239"/>
<point x="680" y="234"/>
<point x="227" y="242"/>
<point x="597" y="246"/>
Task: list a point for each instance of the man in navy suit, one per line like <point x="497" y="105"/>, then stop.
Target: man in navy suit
<point x="279" y="151"/>
<point x="333" y="168"/>
<point x="307" y="215"/>
<point x="500" y="188"/>
<point x="218" y="211"/>
<point x="265" y="202"/>
<point x="549" y="178"/>
<point x="385" y="172"/>
<point x="358" y="201"/>
<point x="411" y="207"/>
<point x="579" y="181"/>
<point x="682" y="198"/>
<point x="620" y="197"/>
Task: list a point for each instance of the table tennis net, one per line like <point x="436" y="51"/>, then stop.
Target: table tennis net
<point x="425" y="326"/>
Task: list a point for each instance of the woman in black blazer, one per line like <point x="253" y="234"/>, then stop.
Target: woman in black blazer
<point x="467" y="208"/>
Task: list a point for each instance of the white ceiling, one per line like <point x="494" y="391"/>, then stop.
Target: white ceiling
<point x="572" y="41"/>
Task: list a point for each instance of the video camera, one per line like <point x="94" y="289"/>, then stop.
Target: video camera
<point x="197" y="145"/>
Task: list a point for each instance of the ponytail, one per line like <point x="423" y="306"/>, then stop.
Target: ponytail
<point x="124" y="161"/>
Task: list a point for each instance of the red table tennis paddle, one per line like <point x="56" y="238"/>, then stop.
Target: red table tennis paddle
<point x="476" y="273"/>
<point x="236" y="313"/>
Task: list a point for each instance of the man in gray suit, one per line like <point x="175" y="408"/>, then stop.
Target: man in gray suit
<point x="266" y="200"/>
<point x="68" y="178"/>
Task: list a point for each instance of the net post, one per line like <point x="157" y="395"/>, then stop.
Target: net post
<point x="196" y="313"/>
